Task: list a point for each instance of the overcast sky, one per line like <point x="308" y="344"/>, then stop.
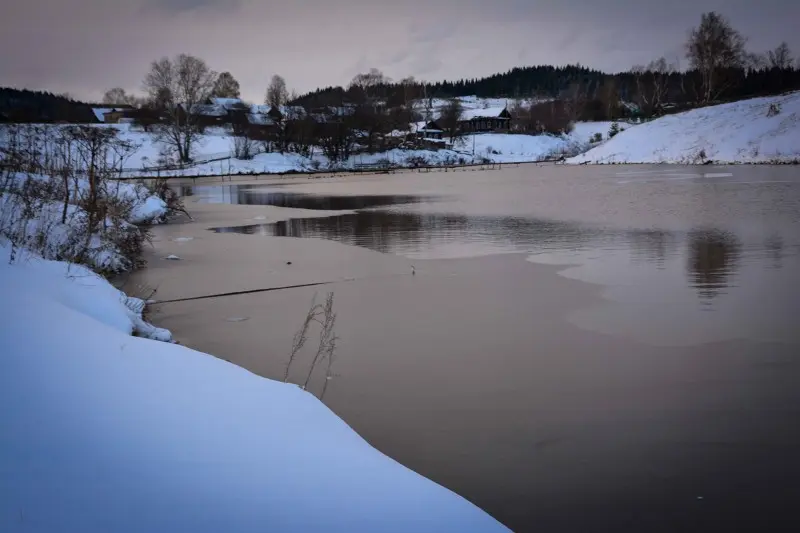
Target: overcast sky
<point x="86" y="46"/>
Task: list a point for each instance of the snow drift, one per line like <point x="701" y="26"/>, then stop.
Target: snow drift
<point x="761" y="130"/>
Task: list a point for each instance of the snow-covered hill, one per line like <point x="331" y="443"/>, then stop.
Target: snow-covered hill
<point x="748" y="131"/>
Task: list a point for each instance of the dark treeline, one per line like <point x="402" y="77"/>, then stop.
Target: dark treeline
<point x="22" y="105"/>
<point x="651" y="91"/>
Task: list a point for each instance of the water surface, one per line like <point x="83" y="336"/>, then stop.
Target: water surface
<point x="662" y="395"/>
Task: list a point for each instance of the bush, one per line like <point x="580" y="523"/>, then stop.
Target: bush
<point x="615" y="129"/>
<point x="243" y="147"/>
<point x="596" y="138"/>
<point x="59" y="197"/>
<point x="417" y="161"/>
<point x="774" y="110"/>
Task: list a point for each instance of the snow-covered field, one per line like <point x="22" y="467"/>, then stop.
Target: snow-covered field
<point x="739" y="132"/>
<point x="514" y="148"/>
<point x="494" y="147"/>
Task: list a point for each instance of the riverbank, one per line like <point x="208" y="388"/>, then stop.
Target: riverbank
<point x="493" y="375"/>
<point x="193" y="442"/>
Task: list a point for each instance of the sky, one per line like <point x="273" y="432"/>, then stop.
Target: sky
<point x="84" y="47"/>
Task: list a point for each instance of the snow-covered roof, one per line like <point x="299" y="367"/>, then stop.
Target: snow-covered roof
<point x="99" y="112"/>
<point x="489" y="112"/>
<point x="260" y="119"/>
<point x="293" y="110"/>
<point x="260" y="109"/>
<point x="228" y="103"/>
<point x="208" y="110"/>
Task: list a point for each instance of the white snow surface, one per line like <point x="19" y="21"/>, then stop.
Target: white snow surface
<point x="515" y="148"/>
<point x="739" y="132"/>
<point x="102" y="431"/>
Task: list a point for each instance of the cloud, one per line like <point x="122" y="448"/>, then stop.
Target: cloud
<point x="181" y="6"/>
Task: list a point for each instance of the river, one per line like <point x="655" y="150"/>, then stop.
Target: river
<point x="571" y="348"/>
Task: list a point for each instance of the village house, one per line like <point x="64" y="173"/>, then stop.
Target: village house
<point x="490" y="119"/>
<point x="112" y="114"/>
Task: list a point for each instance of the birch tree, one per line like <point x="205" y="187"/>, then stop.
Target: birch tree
<point x="277" y="93"/>
<point x="714" y="47"/>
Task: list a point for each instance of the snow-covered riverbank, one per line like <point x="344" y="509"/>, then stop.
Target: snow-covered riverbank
<point x="760" y="130"/>
<point x="214" y="153"/>
<point x="103" y="430"/>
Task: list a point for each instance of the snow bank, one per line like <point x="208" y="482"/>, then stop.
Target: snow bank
<point x="739" y="132"/>
<point x="58" y="234"/>
<point x="102" y="431"/>
<point x="513" y="148"/>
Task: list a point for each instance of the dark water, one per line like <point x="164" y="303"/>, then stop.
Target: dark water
<point x="253" y="195"/>
<point x="671" y="242"/>
<point x="668" y="403"/>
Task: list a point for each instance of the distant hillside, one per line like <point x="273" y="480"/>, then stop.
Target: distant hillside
<point x="22" y="105"/>
<point x="542" y="81"/>
<point x="594" y="95"/>
<point x="759" y="130"/>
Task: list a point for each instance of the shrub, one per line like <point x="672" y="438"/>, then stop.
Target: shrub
<point x="417" y="161"/>
<point x="243" y="147"/>
<point x="596" y="138"/>
<point x="615" y="129"/>
<point x="774" y="110"/>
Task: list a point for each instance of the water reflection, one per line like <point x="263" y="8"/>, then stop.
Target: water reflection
<point x="415" y="234"/>
<point x="774" y="250"/>
<point x="258" y="195"/>
<point x="652" y="246"/>
<point x="713" y="258"/>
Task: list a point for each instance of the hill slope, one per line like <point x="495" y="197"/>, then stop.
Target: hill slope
<point x="739" y="132"/>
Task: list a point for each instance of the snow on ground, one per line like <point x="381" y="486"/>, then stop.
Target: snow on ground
<point x="584" y="131"/>
<point x="102" y="431"/>
<point x="515" y="148"/>
<point x="494" y="147"/>
<point x="214" y="143"/>
<point x="56" y="233"/>
<point x="739" y="132"/>
<point x="213" y="151"/>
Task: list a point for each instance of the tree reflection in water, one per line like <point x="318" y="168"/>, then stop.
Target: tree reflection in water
<point x="713" y="260"/>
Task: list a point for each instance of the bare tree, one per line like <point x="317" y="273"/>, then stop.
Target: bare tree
<point x="179" y="86"/>
<point x="277" y="94"/>
<point x="410" y="90"/>
<point x="754" y="61"/>
<point x="781" y="57"/>
<point x="652" y="84"/>
<point x="226" y="86"/>
<point x="713" y="47"/>
<point x="575" y="98"/>
<point x="118" y="96"/>
<point x="369" y="83"/>
<point x="450" y="118"/>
